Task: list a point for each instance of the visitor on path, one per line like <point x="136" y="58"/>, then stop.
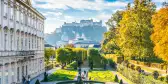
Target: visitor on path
<point x="28" y="82"/>
<point x="23" y="80"/>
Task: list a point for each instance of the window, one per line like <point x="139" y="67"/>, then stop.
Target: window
<point x="26" y="69"/>
<point x="29" y="42"/>
<point x="13" y="77"/>
<point x="26" y="42"/>
<point x="18" y="74"/>
<point x="32" y="42"/>
<point x="21" y="17"/>
<point x="22" y="43"/>
<point x="6" y="76"/>
<point x="17" y="15"/>
<point x="22" y="70"/>
<point x="11" y="15"/>
<point x="0" y="74"/>
<point x="11" y="39"/>
<point x="28" y="19"/>
<point x="5" y="44"/>
<point x="18" y="43"/>
<point x="5" y="9"/>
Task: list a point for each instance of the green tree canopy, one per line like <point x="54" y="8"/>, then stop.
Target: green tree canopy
<point x="48" y="53"/>
<point x="135" y="29"/>
<point x="109" y="44"/>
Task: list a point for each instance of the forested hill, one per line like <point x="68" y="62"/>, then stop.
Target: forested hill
<point x="91" y="32"/>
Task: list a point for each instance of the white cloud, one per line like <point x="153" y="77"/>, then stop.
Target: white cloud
<point x="78" y="4"/>
<point x="160" y="1"/>
<point x="52" y="13"/>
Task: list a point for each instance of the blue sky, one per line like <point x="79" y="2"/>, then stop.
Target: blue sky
<point x="59" y="11"/>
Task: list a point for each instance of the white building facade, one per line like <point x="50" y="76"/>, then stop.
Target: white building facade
<point x="21" y="41"/>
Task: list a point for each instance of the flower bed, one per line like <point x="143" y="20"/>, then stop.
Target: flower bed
<point x="102" y="76"/>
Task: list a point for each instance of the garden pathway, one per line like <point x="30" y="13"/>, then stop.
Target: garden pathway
<point x="150" y="70"/>
<point x="41" y="76"/>
<point x="118" y="75"/>
<point x="84" y="67"/>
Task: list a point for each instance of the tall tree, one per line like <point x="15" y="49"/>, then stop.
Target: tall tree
<point x="61" y="56"/>
<point x="135" y="29"/>
<point x="109" y="42"/>
<point x="160" y="33"/>
<point x="94" y="57"/>
<point x="48" y="53"/>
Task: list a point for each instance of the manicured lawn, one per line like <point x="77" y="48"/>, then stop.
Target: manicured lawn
<point x="60" y="75"/>
<point x="102" y="76"/>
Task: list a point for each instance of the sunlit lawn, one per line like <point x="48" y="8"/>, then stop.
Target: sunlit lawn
<point x="60" y="75"/>
<point x="102" y="76"/>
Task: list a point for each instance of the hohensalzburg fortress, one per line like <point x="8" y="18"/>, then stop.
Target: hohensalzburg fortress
<point x="84" y="23"/>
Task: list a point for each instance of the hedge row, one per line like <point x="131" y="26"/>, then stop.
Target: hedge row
<point x="115" y="58"/>
<point x="161" y="66"/>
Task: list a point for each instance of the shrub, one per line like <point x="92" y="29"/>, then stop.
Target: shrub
<point x="121" y="82"/>
<point x="112" y="63"/>
<point x="116" y="78"/>
<point x="166" y="79"/>
<point x="138" y="68"/>
<point x="127" y="65"/>
<point x="132" y="66"/>
<point x="37" y="82"/>
<point x="45" y="77"/>
<point x="155" y="74"/>
<point x="161" y="78"/>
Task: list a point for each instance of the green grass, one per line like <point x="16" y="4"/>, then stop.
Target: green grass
<point x="61" y="75"/>
<point x="102" y="76"/>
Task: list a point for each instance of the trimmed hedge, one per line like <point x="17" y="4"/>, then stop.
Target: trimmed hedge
<point x="115" y="58"/>
<point x="72" y="65"/>
<point x="161" y="66"/>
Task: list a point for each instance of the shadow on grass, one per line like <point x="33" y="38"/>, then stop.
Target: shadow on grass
<point x="60" y="77"/>
<point x="75" y="82"/>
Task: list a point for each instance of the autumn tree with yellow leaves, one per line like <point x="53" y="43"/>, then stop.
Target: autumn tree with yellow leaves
<point x="160" y="33"/>
<point x="135" y="29"/>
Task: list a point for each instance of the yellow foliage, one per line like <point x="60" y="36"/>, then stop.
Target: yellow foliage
<point x="160" y="33"/>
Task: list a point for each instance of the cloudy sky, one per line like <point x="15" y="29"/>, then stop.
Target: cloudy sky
<point x="59" y="11"/>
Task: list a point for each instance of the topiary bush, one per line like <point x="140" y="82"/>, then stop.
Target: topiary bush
<point x="37" y="82"/>
<point x="121" y="82"/>
<point x="45" y="77"/>
<point x="132" y="67"/>
<point x="138" y="68"/>
<point x="155" y="74"/>
<point x="112" y="63"/>
<point x="161" y="78"/>
<point x="166" y="79"/>
<point x="116" y="78"/>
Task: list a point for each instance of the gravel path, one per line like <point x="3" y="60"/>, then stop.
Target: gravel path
<point x="41" y="76"/>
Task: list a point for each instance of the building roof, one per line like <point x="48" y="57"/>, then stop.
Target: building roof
<point x="85" y="42"/>
<point x="48" y="45"/>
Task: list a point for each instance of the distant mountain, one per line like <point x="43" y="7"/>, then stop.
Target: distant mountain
<point x="68" y="31"/>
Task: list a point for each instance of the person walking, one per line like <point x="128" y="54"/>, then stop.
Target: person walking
<point x="23" y="80"/>
<point x="28" y="81"/>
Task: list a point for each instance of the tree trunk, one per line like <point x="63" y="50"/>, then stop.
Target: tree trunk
<point x="166" y="67"/>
